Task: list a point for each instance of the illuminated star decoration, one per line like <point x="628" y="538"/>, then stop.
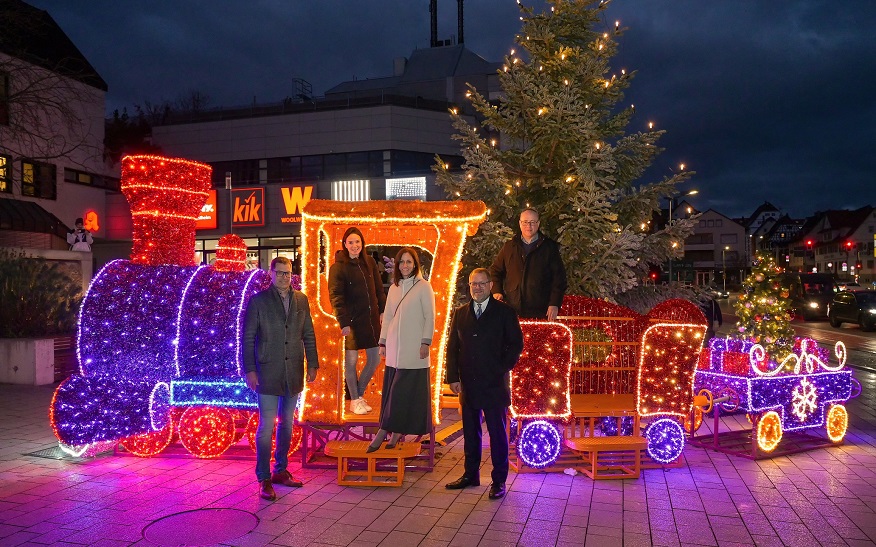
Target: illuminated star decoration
<point x="804" y="399"/>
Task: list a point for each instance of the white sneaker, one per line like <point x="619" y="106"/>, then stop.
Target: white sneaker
<point x="357" y="407"/>
<point x="365" y="404"/>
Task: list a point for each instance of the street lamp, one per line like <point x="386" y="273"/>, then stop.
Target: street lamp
<point x="724" y="265"/>
<point x="674" y="245"/>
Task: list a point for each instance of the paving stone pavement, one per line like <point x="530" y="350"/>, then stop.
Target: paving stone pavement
<point x="825" y="497"/>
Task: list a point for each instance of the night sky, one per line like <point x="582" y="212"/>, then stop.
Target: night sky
<point x="766" y="101"/>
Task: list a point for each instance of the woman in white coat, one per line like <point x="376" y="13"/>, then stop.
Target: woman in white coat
<point x="405" y="339"/>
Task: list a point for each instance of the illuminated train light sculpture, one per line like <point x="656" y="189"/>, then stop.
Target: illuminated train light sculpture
<point x="792" y="400"/>
<point x="599" y="359"/>
<point x="158" y="341"/>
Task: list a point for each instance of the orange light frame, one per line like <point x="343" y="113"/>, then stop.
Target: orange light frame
<point x="438" y="227"/>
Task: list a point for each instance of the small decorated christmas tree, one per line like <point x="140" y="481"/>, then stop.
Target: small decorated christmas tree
<point x="762" y="309"/>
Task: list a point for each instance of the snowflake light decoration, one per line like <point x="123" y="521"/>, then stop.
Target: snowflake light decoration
<point x="804" y="399"/>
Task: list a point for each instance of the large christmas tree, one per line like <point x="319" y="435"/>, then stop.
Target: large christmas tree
<point x="762" y="309"/>
<point x="556" y="141"/>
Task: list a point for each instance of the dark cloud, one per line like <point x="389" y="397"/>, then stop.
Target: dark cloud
<point x="765" y="100"/>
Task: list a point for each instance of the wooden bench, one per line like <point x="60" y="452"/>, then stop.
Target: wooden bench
<point x="344" y="451"/>
<point x="618" y="457"/>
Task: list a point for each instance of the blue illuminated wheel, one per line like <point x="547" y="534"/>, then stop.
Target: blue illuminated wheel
<point x="665" y="440"/>
<point x="539" y="444"/>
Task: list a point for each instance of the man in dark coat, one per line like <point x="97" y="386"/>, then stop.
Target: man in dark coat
<point x="528" y="273"/>
<point x="277" y="335"/>
<point x="712" y="311"/>
<point x="483" y="346"/>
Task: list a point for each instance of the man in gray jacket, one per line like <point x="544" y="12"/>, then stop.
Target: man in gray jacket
<point x="277" y="335"/>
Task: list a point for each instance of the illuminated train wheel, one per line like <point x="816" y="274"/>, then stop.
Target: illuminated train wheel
<point x="253" y="425"/>
<point x="769" y="431"/>
<point x="149" y="444"/>
<point x="837" y="423"/>
<point x="205" y="431"/>
<point x="665" y="440"/>
<point x="539" y="444"/>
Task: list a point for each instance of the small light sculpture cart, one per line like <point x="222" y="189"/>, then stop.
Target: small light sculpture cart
<point x="788" y="404"/>
<point x="601" y="365"/>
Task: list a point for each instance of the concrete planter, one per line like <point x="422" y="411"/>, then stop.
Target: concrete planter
<point x="29" y="361"/>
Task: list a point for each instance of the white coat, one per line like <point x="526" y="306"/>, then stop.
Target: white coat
<point x="408" y="321"/>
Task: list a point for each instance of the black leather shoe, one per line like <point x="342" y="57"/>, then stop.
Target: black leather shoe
<point x="496" y="491"/>
<point x="460" y="483"/>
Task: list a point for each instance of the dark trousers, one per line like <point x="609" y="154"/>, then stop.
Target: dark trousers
<point x="471" y="430"/>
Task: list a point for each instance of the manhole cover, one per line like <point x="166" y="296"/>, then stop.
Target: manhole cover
<point x="200" y="527"/>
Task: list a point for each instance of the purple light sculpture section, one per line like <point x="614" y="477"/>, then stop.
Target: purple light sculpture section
<point x="141" y="327"/>
<point x="128" y="321"/>
<point x="100" y="408"/>
<point x="801" y="399"/>
<point x="214" y="304"/>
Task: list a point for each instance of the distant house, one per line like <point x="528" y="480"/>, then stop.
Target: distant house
<point x="52" y="104"/>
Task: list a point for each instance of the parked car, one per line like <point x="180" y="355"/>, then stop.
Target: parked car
<point x="716" y="292"/>
<point x="809" y="293"/>
<point x="853" y="306"/>
<point x="848" y="286"/>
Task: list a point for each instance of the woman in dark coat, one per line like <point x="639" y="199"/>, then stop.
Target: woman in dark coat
<point x="358" y="300"/>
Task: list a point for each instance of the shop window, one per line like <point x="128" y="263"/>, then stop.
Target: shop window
<point x="5" y="174"/>
<point x="38" y="180"/>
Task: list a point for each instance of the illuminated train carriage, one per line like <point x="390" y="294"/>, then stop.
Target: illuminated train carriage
<point x="598" y="371"/>
<point x="794" y="400"/>
<point x="158" y="336"/>
<point x="438" y="230"/>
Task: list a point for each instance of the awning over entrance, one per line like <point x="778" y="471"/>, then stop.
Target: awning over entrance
<point x="27" y="216"/>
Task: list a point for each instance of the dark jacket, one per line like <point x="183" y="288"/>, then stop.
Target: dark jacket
<point x="275" y="345"/>
<point x="481" y="353"/>
<point x="530" y="283"/>
<point x="357" y="298"/>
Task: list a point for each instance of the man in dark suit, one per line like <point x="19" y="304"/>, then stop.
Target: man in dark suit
<point x="277" y="335"/>
<point x="484" y="344"/>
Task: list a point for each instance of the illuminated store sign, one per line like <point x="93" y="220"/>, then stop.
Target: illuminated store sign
<point x="248" y="206"/>
<point x="207" y="218"/>
<point x="294" y="200"/>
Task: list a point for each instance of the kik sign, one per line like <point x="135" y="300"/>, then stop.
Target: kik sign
<point x="294" y="200"/>
<point x="207" y="218"/>
<point x="248" y="206"/>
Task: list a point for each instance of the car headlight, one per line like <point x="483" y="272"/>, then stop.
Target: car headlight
<point x="813" y="304"/>
<point x="872" y="310"/>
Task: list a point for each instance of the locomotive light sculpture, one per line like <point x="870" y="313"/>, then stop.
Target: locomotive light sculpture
<point x="158" y="336"/>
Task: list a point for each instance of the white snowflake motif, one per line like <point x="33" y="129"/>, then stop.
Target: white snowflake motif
<point x="804" y="399"/>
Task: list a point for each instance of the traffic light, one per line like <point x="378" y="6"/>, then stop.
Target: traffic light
<point x="857" y="265"/>
<point x="849" y="245"/>
<point x="654" y="273"/>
